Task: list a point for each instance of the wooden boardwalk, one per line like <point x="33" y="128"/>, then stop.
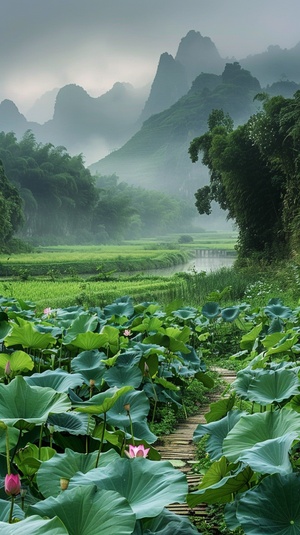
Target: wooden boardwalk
<point x="179" y="446"/>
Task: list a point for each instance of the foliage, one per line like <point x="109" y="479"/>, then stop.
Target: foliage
<point x="63" y="203"/>
<point x="254" y="175"/>
<point x="10" y="211"/>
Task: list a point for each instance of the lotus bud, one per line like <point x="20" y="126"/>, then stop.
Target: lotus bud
<point x="12" y="484"/>
<point x="92" y="383"/>
<point x="127" y="407"/>
<point x="7" y="369"/>
<point x="146" y="368"/>
<point x="64" y="483"/>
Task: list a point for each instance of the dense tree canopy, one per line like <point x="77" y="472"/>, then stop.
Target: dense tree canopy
<point x="255" y="175"/>
<point x="10" y="210"/>
<point x="63" y="203"/>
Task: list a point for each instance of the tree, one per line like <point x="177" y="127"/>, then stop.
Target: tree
<point x="11" y="216"/>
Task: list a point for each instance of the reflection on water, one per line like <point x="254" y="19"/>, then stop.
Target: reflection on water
<point x="200" y="263"/>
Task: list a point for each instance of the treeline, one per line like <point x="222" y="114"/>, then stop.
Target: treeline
<point x="255" y="175"/>
<point x="49" y="197"/>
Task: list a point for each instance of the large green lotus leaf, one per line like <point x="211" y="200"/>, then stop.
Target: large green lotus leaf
<point x="220" y="483"/>
<point x="273" y="386"/>
<point x="58" y="379"/>
<point x="89" y="511"/>
<point x="186" y="313"/>
<point x="112" y="334"/>
<point x="122" y="306"/>
<point x="102" y="402"/>
<point x="141" y="431"/>
<point x="249" y="338"/>
<point x="229" y="314"/>
<point x="219" y="409"/>
<point x="66" y="465"/>
<point x="150" y="325"/>
<point x="258" y="428"/>
<point x="285" y="344"/>
<point x="120" y="376"/>
<point x="81" y="324"/>
<point x="273" y="507"/>
<point x="21" y="404"/>
<point x="90" y="365"/>
<point x="168" y="523"/>
<point x="88" y="341"/>
<point x="139" y="409"/>
<point x="266" y="386"/>
<point x="23" y="333"/>
<point x="271" y="456"/>
<point x="13" y="437"/>
<point x="75" y="424"/>
<point x="272" y="339"/>
<point x="5" y="327"/>
<point x="217" y="431"/>
<point x="5" y="510"/>
<point x="35" y="525"/>
<point x="147" y="349"/>
<point x="211" y="310"/>
<point x="19" y="361"/>
<point x="147" y="485"/>
<point x="278" y="311"/>
<point x="29" y="459"/>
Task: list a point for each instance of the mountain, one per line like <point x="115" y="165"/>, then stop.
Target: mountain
<point x="156" y="157"/>
<point x="81" y="123"/>
<point x="274" y="65"/>
<point x="43" y="108"/>
<point x="174" y="76"/>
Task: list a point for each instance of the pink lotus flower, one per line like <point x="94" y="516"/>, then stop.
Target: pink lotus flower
<point x="7" y="369"/>
<point x="47" y="311"/>
<point x="12" y="484"/>
<point x="137" y="451"/>
<point x="127" y="332"/>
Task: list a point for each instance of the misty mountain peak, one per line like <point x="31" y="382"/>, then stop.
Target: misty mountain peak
<point x="198" y="54"/>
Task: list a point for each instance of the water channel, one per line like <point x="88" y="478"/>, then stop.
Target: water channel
<point x="205" y="260"/>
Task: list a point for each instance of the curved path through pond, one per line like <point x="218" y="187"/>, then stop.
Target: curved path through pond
<point x="179" y="446"/>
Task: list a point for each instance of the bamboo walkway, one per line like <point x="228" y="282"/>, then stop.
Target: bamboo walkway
<point x="179" y="446"/>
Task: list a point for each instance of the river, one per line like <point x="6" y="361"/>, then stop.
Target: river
<point x="205" y="260"/>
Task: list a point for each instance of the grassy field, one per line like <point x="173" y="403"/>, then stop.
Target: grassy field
<point x="130" y="256"/>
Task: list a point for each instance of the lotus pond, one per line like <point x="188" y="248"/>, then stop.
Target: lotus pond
<point x="80" y="387"/>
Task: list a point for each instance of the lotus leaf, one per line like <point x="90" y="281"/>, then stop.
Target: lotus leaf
<point x="139" y="409"/>
<point x="211" y="310"/>
<point x="66" y="465"/>
<point x="253" y="430"/>
<point x="58" y="379"/>
<point x="5" y="510"/>
<point x="230" y="313"/>
<point x="147" y="485"/>
<point x="220" y="482"/>
<point x="24" y="333"/>
<point x="120" y="376"/>
<point x="121" y="307"/>
<point x="272" y="507"/>
<point x="217" y="432"/>
<point x="85" y="510"/>
<point x="35" y="525"/>
<point x="168" y="523"/>
<point x="102" y="402"/>
<point x="278" y="311"/>
<point x="19" y="361"/>
<point x="75" y="424"/>
<point x="24" y="406"/>
<point x="89" y="364"/>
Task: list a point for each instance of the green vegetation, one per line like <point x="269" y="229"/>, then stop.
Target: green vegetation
<point x="254" y="172"/>
<point x="63" y="204"/>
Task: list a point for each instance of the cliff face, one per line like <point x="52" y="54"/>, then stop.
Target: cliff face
<point x="174" y="76"/>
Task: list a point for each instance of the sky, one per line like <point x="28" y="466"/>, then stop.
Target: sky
<point x="46" y="44"/>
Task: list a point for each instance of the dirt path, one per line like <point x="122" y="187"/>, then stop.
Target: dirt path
<point x="179" y="446"/>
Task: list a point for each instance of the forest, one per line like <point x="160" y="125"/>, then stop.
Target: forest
<point x="49" y="197"/>
<point x="254" y="175"/>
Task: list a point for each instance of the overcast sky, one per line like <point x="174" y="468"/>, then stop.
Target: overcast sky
<point x="94" y="43"/>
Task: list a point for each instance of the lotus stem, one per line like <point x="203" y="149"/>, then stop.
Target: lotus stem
<point x="102" y="440"/>
<point x="40" y="440"/>
<point x="11" y="509"/>
<point x="7" y="452"/>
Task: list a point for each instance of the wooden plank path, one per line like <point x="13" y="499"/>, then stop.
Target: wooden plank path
<point x="179" y="446"/>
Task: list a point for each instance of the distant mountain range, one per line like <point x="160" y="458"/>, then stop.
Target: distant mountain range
<point x="143" y="135"/>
